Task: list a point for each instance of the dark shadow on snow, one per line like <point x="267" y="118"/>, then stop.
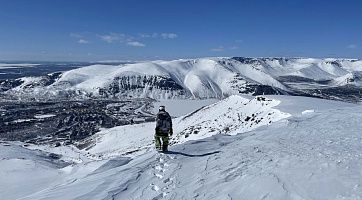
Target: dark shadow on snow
<point x="191" y="155"/>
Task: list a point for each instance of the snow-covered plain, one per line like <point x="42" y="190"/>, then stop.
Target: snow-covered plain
<point x="312" y="149"/>
<point x="16" y="65"/>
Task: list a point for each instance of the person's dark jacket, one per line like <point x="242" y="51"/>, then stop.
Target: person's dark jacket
<point x="163" y="123"/>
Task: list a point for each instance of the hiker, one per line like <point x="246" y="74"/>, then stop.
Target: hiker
<point x="163" y="129"/>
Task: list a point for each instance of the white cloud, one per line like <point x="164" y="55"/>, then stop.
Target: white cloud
<point x="83" y="41"/>
<point x="134" y="40"/>
<point x="220" y="48"/>
<point x="112" y="37"/>
<point x="123" y="38"/>
<point x="144" y="35"/>
<point x="154" y="35"/>
<point x="169" y="35"/>
<point x="147" y="35"/>
<point x="80" y="38"/>
<point x="159" y="35"/>
<point x="233" y="47"/>
<point x="75" y="35"/>
<point x="135" y="44"/>
<point x="352" y="46"/>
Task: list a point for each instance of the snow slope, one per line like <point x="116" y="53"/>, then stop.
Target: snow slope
<point x="315" y="153"/>
<point x="89" y="77"/>
<point x="232" y="115"/>
<point x="21" y="167"/>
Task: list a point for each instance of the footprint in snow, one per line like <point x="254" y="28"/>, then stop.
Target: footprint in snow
<point x="160" y="196"/>
<point x="167" y="180"/>
<point x="159" y="176"/>
<point x="159" y="168"/>
<point x="155" y="187"/>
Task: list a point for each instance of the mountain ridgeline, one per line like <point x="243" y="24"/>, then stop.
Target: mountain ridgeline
<point x="338" y="79"/>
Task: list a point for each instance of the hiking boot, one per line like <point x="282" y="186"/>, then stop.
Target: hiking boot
<point x="164" y="148"/>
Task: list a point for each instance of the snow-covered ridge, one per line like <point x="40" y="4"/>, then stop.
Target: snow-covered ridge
<point x="232" y="115"/>
<point x="199" y="78"/>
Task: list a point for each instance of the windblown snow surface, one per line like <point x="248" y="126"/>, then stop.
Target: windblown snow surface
<point x="267" y="147"/>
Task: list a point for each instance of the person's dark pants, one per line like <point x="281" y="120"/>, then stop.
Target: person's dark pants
<point x="161" y="142"/>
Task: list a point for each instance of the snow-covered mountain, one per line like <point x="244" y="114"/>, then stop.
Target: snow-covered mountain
<point x="196" y="78"/>
<point x="352" y="78"/>
<point x="286" y="148"/>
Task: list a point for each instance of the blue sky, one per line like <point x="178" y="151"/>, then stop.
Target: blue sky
<point x="90" y="30"/>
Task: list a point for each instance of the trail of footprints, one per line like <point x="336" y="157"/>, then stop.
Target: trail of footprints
<point x="164" y="181"/>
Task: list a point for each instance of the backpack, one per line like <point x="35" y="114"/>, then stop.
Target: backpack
<point x="163" y="122"/>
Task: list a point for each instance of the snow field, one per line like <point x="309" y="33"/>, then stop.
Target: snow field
<point x="313" y="151"/>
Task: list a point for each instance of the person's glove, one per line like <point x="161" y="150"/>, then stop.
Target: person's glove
<point x="170" y="132"/>
<point x="156" y="130"/>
